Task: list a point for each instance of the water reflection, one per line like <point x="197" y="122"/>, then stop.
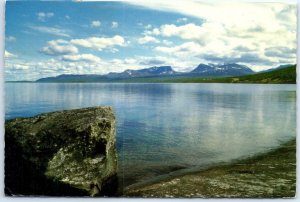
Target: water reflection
<point x="163" y="127"/>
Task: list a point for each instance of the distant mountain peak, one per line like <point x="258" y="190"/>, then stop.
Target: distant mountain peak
<point x="146" y="72"/>
<point x="169" y="68"/>
<point x="201" y="68"/>
<point x="278" y="67"/>
<point x="226" y="69"/>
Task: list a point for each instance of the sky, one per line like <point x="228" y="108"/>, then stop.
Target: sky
<point x="45" y="39"/>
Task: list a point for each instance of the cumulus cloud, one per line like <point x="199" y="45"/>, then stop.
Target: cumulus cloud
<point x="149" y="26"/>
<point x="147" y="39"/>
<point x="43" y="16"/>
<point x="203" y="34"/>
<point x="194" y="52"/>
<point x="155" y="31"/>
<point x="99" y="42"/>
<point x="51" y="30"/>
<point x="188" y="48"/>
<point x="234" y="11"/>
<point x="114" y="24"/>
<point x="19" y="67"/>
<point x="225" y="30"/>
<point x="33" y="70"/>
<point x="59" y="47"/>
<point x="167" y="42"/>
<point x="95" y="23"/>
<point x="114" y="50"/>
<point x="68" y="51"/>
<point x="180" y="20"/>
<point x="8" y="54"/>
<point x="82" y="57"/>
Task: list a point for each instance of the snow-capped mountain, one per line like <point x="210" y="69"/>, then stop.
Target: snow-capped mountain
<point x="230" y="69"/>
<point x="152" y="71"/>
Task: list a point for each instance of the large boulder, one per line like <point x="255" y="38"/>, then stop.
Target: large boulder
<point x="65" y="153"/>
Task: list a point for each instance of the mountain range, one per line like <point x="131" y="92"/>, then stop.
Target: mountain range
<point x="202" y="70"/>
<point x="152" y="71"/>
<point x="161" y="72"/>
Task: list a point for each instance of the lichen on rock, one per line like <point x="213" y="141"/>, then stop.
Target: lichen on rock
<point x="69" y="152"/>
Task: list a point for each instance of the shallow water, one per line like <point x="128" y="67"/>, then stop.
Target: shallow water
<point x="166" y="127"/>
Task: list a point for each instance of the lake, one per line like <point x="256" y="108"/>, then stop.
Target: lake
<point x="166" y="127"/>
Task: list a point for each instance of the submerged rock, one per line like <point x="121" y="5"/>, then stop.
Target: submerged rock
<point x="66" y="153"/>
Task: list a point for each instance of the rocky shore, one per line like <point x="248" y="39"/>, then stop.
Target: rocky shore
<point x="269" y="175"/>
<point x="65" y="153"/>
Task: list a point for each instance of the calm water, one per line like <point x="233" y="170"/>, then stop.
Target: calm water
<point x="164" y="127"/>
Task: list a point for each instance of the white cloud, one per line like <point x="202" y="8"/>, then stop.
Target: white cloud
<point x="114" y="50"/>
<point x="185" y="49"/>
<point x="33" y="70"/>
<point x="10" y="39"/>
<point x="114" y="24"/>
<point x="147" y="39"/>
<point x="155" y="31"/>
<point x="215" y="10"/>
<point x="43" y="16"/>
<point x="83" y="57"/>
<point x="149" y="26"/>
<point x="67" y="17"/>
<point x="8" y="54"/>
<point x="202" y="34"/>
<point x="95" y="23"/>
<point x="17" y="70"/>
<point x="59" y="47"/>
<point x="51" y="30"/>
<point x="225" y="27"/>
<point x="69" y="52"/>
<point x="99" y="42"/>
<point x="130" y="61"/>
<point x="20" y="67"/>
<point x="167" y="42"/>
<point x="180" y="20"/>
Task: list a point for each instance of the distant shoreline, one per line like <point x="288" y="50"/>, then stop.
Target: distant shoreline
<point x="271" y="175"/>
<point x="280" y="76"/>
<point x="144" y="82"/>
<point x="285" y="75"/>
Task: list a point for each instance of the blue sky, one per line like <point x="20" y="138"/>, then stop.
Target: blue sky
<point x="52" y="38"/>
